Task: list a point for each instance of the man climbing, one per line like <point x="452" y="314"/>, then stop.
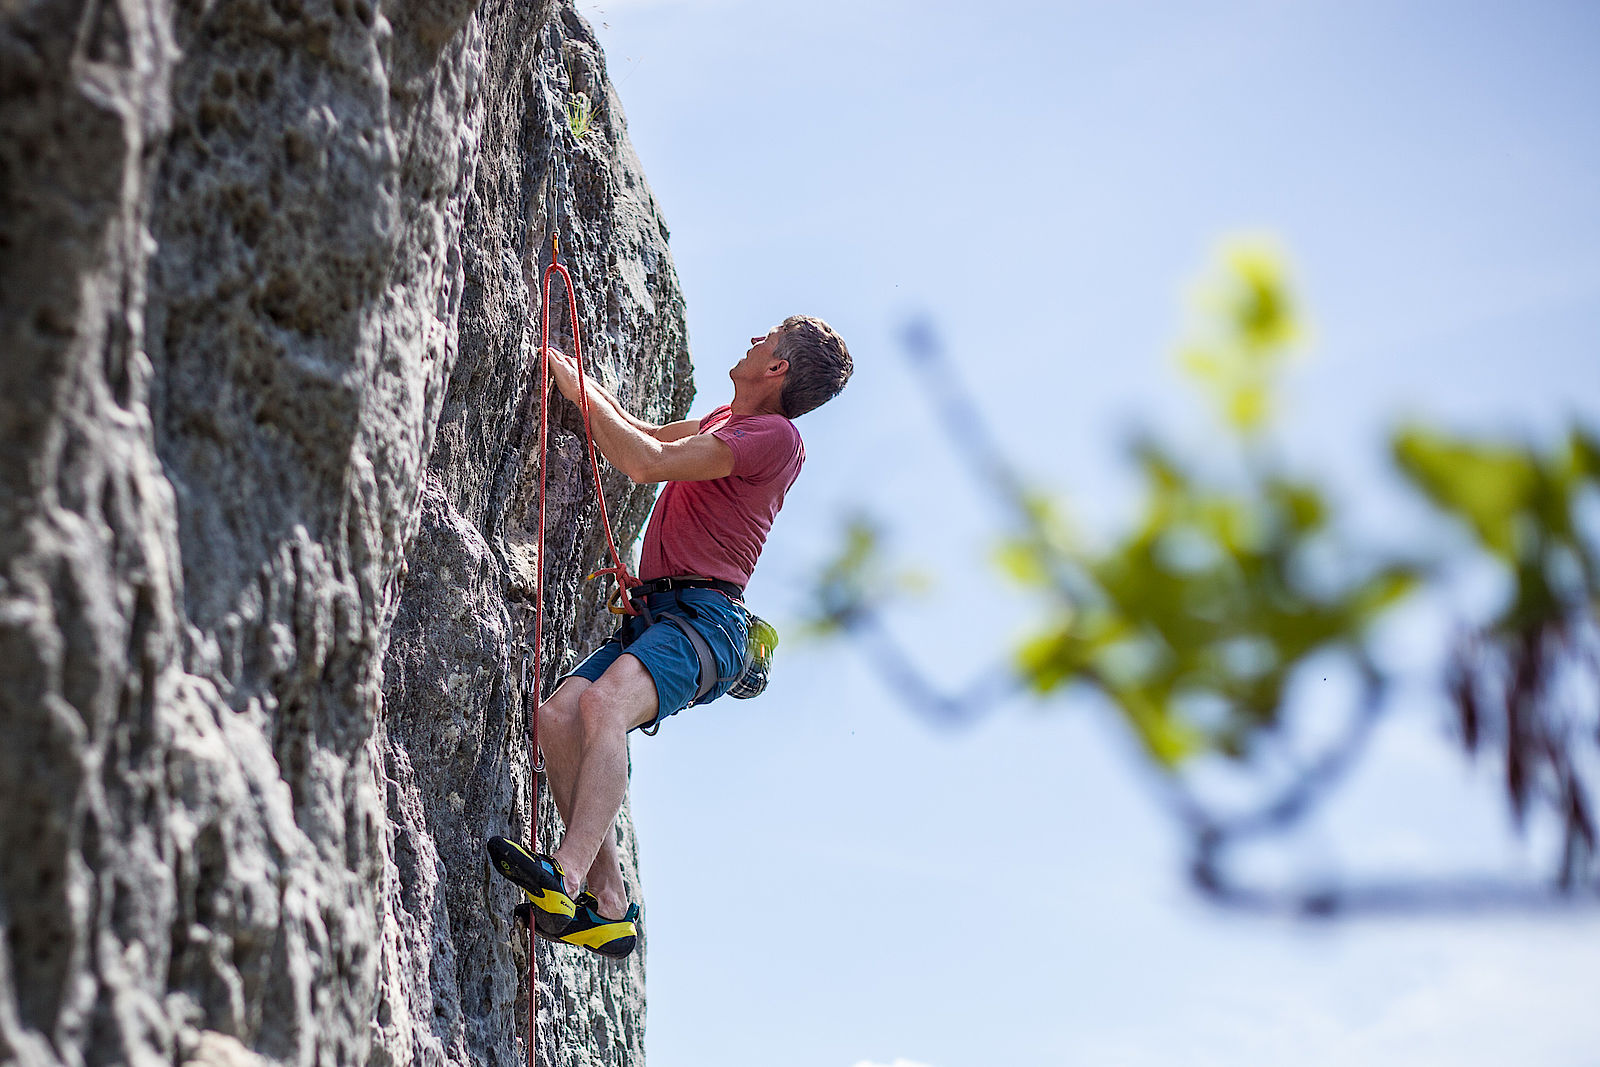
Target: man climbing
<point x="726" y="476"/>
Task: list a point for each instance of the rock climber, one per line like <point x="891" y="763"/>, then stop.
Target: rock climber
<point x="726" y="475"/>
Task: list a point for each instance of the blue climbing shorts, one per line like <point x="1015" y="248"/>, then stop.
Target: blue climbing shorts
<point x="669" y="656"/>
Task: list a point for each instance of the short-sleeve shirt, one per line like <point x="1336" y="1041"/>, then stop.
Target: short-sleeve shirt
<point x="715" y="528"/>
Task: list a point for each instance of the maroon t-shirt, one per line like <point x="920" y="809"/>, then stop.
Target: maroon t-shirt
<point x="715" y="528"/>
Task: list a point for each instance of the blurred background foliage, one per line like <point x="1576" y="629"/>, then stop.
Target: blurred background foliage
<point x="1236" y="576"/>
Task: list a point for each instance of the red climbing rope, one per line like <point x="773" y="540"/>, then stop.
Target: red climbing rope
<point x="618" y="569"/>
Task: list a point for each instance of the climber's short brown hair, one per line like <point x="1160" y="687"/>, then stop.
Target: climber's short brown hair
<point x="819" y="364"/>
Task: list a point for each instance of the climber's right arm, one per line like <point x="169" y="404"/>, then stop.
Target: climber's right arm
<point x="676" y="431"/>
<point x="635" y="450"/>
<point x="599" y="394"/>
<point x="672" y="431"/>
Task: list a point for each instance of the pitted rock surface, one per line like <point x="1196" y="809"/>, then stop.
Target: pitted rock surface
<point x="269" y="276"/>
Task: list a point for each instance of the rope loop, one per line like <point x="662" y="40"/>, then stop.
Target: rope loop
<point x="619" y="568"/>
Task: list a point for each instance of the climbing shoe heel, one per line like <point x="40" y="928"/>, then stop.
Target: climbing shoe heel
<point x="613" y="938"/>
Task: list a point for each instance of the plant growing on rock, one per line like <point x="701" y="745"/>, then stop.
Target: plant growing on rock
<point x="580" y="115"/>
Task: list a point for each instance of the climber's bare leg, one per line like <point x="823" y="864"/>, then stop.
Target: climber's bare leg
<point x="560" y="736"/>
<point x="624" y="697"/>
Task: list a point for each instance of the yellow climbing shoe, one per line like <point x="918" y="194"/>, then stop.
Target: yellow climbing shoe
<point x="541" y="880"/>
<point x="614" y="938"/>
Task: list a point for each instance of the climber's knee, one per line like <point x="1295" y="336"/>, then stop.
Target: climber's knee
<point x="624" y="697"/>
<point x="560" y="713"/>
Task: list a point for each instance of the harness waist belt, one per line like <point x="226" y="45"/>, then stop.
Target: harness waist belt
<point x="666" y="585"/>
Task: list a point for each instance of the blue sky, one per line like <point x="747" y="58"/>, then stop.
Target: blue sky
<point x="829" y="880"/>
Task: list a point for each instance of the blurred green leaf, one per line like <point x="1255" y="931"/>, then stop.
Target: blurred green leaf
<point x="1261" y="307"/>
<point x="1486" y="486"/>
<point x="1020" y="560"/>
<point x="1244" y="325"/>
<point x="858" y="578"/>
<point x="1586" y="453"/>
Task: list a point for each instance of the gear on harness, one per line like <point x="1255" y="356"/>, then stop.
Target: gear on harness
<point x="761" y="638"/>
<point x="757" y="672"/>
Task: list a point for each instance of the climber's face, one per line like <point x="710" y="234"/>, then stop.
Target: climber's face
<point x="760" y="357"/>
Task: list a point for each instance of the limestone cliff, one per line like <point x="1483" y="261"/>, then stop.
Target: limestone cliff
<point x="268" y="279"/>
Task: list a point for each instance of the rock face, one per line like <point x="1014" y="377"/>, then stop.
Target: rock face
<point x="269" y="285"/>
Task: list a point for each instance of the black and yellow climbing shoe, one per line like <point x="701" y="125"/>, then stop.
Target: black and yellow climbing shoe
<point x="589" y="929"/>
<point x="614" y="938"/>
<point x="540" y="879"/>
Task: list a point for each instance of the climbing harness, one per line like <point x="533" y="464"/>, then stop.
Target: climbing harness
<point x="667" y="585"/>
<point x="710" y="674"/>
<point x="761" y="637"/>
<point x="755" y="670"/>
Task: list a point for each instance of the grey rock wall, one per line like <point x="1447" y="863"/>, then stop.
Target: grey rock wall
<point x="268" y="309"/>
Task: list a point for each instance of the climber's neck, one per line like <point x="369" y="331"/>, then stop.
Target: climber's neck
<point x="758" y="398"/>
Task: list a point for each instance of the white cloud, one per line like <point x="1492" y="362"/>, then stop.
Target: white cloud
<point x="1522" y="996"/>
<point x="1421" y="994"/>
